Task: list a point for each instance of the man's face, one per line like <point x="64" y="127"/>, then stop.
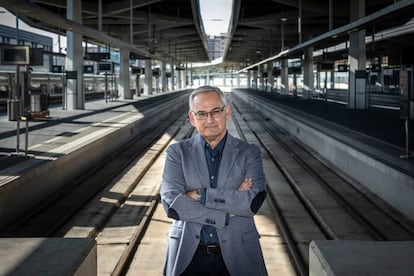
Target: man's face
<point x="211" y="128"/>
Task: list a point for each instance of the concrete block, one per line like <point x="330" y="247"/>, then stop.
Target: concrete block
<point x="48" y="256"/>
<point x="346" y="258"/>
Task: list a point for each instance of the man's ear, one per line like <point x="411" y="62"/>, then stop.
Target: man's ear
<point x="192" y="118"/>
<point x="228" y="112"/>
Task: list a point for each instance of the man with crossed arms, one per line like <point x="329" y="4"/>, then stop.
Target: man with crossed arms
<point x="213" y="184"/>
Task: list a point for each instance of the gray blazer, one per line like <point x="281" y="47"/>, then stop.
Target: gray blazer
<point x="185" y="170"/>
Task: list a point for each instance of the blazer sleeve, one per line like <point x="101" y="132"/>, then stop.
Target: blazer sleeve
<point x="176" y="203"/>
<point x="242" y="203"/>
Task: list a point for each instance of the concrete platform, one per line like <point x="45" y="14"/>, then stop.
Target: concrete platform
<point x="69" y="143"/>
<point x="48" y="256"/>
<point x="353" y="258"/>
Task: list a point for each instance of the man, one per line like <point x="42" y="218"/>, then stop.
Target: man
<point x="213" y="185"/>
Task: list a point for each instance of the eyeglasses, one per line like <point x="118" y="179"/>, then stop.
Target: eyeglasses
<point x="215" y="113"/>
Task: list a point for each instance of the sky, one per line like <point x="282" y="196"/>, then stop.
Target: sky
<point x="216" y="15"/>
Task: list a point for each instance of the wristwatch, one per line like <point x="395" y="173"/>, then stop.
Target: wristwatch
<point x="199" y="192"/>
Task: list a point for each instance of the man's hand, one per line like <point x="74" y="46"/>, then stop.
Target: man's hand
<point x="195" y="194"/>
<point x="246" y="184"/>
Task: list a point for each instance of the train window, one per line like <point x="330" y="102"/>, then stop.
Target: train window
<point x="15" y="55"/>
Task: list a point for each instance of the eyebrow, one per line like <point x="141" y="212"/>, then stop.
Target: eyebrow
<point x="211" y="109"/>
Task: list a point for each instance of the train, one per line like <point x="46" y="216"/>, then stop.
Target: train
<point x="54" y="83"/>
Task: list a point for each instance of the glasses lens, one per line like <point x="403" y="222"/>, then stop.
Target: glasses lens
<point x="216" y="113"/>
<point x="201" y="115"/>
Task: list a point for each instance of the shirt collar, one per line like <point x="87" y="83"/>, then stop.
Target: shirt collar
<point x="219" y="147"/>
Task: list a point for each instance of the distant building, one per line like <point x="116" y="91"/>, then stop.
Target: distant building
<point x="216" y="46"/>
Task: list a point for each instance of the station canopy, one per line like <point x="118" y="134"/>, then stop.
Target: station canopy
<point x="172" y="30"/>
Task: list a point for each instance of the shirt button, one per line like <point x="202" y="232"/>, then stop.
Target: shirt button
<point x="212" y="159"/>
<point x="212" y="177"/>
<point x="211" y="235"/>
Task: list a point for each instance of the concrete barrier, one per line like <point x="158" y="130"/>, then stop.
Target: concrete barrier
<point x="48" y="256"/>
<point x="348" y="258"/>
<point x="34" y="180"/>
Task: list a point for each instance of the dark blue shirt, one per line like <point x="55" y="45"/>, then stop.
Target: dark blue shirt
<point x="213" y="157"/>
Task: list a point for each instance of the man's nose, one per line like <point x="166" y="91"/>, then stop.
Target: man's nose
<point x="209" y="117"/>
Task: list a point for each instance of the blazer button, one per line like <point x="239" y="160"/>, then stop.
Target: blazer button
<point x="210" y="221"/>
<point x="197" y="237"/>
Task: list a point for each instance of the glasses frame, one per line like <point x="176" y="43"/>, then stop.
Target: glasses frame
<point x="217" y="111"/>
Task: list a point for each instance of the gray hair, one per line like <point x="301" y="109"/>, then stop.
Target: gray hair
<point x="204" y="90"/>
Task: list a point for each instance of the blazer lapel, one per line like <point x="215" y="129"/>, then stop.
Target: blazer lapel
<point x="230" y="153"/>
<point x="199" y="160"/>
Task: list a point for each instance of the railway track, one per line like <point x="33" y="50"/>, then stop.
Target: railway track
<point x="316" y="201"/>
<point x="119" y="231"/>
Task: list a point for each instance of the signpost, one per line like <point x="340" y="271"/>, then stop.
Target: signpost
<point x="70" y="75"/>
<point x="407" y="107"/>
